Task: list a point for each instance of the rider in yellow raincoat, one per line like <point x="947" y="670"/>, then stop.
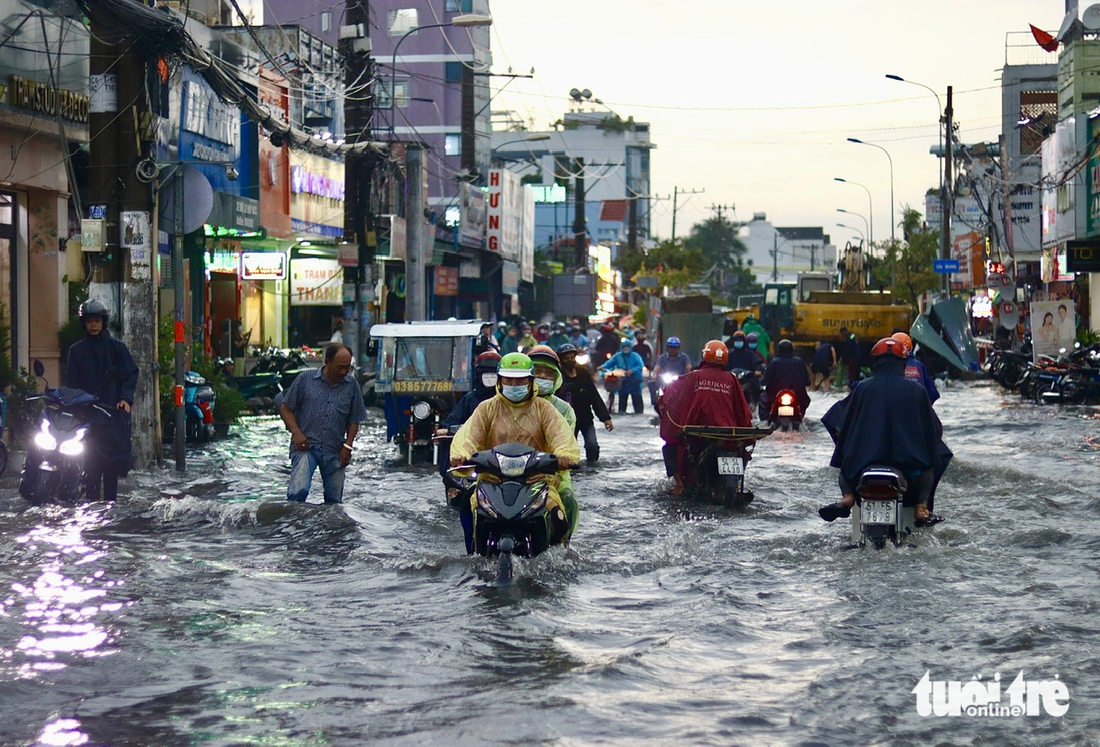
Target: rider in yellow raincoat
<point x="518" y="415"/>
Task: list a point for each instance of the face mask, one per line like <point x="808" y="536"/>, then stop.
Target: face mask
<point x="489" y="380"/>
<point x="738" y="345"/>
<point x="752" y="346"/>
<point x="513" y="392"/>
<point x="545" y="386"/>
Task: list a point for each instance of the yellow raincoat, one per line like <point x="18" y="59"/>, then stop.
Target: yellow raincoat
<point x="535" y="423"/>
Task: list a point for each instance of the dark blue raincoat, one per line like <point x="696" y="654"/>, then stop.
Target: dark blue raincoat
<point x="103" y="366"/>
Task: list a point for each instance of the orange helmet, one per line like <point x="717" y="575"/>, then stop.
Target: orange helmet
<point x="905" y="340"/>
<point x="889" y="346"/>
<point x="716" y="351"/>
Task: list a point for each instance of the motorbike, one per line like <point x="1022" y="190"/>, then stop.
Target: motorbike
<point x="612" y="383"/>
<point x="719" y="471"/>
<point x="56" y="462"/>
<point x="512" y="516"/>
<point x="258" y="389"/>
<point x="880" y="514"/>
<point x="750" y="385"/>
<point x="664" y="380"/>
<point x="198" y="404"/>
<point x="785" y="414"/>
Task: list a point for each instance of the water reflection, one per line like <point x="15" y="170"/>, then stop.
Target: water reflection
<point x="63" y="732"/>
<point x="59" y="603"/>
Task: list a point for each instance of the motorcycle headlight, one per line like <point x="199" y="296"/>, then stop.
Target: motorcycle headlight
<point x="512" y="466"/>
<point x="421" y="410"/>
<point x="44" y="440"/>
<point x="72" y="447"/>
<point x="582" y="359"/>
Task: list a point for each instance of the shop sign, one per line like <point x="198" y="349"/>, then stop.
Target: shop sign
<point x="302" y="181"/>
<point x="504" y="214"/>
<point x="446" y="281"/>
<point x="1083" y="256"/>
<point x="1092" y="185"/>
<point x="42" y="97"/>
<point x="263" y="265"/>
<point x="471" y="218"/>
<point x="1052" y="265"/>
<point x="232" y="211"/>
<point x="204" y="114"/>
<point x="316" y="282"/>
<point x="347" y="255"/>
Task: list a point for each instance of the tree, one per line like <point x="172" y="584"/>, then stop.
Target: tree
<point x="907" y="265"/>
<point x="674" y="265"/>
<point x="731" y="275"/>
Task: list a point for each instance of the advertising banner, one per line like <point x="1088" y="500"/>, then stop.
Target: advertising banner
<point x="446" y="281"/>
<point x="316" y="282"/>
<point x="263" y="265"/>
<point x="504" y="214"/>
<point x="527" y="236"/>
<point x="1053" y="327"/>
<point x="471" y="216"/>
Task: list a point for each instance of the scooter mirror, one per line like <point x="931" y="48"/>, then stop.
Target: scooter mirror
<point x="39" y="368"/>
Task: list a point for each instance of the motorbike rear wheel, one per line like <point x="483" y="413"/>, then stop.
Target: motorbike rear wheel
<point x="877" y="535"/>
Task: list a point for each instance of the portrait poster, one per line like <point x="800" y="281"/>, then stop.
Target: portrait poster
<point x="1053" y="327"/>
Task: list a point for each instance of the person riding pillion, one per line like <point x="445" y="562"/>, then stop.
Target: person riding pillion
<point x="887" y="420"/>
<point x="518" y="415"/>
<point x="548" y="379"/>
<point x="485" y="386"/>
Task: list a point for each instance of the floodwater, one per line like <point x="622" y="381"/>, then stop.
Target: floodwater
<point x="176" y="617"/>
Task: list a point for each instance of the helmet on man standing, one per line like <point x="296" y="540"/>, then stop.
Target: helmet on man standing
<point x="905" y="340"/>
<point x="93" y="308"/>
<point x="716" y="351"/>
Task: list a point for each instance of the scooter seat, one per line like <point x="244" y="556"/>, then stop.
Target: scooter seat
<point x="882" y="472"/>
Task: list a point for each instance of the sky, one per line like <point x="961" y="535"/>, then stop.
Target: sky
<point x="753" y="101"/>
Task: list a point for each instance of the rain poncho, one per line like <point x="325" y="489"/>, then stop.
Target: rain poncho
<point x="786" y="372"/>
<point x="763" y="340"/>
<point x="887" y="420"/>
<point x="534" y="422"/>
<point x="716" y="399"/>
<point x="627" y="360"/>
<point x="568" y="496"/>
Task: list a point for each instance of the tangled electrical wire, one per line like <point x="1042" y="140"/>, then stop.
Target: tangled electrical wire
<point x="162" y="35"/>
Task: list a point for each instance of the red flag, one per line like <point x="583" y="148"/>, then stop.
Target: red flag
<point x="1044" y="40"/>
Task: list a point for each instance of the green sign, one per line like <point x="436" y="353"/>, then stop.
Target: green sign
<point x="1092" y="184"/>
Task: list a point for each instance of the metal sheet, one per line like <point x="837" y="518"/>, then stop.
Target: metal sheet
<point x="923" y="334"/>
<point x="464" y="328"/>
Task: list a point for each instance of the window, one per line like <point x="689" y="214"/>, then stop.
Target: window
<point x="453" y="72"/>
<point x="326" y="21"/>
<point x="456" y="6"/>
<point x="402" y="21"/>
<point x="452" y="144"/>
<point x="382" y="94"/>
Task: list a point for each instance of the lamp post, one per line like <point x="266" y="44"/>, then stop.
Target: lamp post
<point x="529" y="139"/>
<point x="468" y="20"/>
<point x="939" y="112"/>
<point x="891" y="160"/>
<point x="862" y="236"/>
<point x="870" y="209"/>
<point x="866" y="225"/>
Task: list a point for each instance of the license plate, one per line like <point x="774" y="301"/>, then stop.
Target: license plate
<point x="878" y="512"/>
<point x="786" y="411"/>
<point x="730" y="466"/>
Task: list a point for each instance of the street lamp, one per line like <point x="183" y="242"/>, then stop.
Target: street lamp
<point x="866" y="225"/>
<point x="939" y="115"/>
<point x="862" y="235"/>
<point x="870" y="208"/>
<point x="468" y="20"/>
<point x="529" y="139"/>
<point x="891" y="160"/>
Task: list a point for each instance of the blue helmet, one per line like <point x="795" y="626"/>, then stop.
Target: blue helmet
<point x="673" y="342"/>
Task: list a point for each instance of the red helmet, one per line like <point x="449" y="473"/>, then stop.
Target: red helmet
<point x="889" y="346"/>
<point x="716" y="351"/>
<point x="905" y="340"/>
<point x="488" y="361"/>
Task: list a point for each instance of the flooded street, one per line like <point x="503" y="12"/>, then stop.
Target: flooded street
<point x="176" y="617"/>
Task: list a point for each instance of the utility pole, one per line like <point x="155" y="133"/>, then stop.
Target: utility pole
<point x="415" y="310"/>
<point x="719" y="210"/>
<point x="580" y="224"/>
<point x="775" y="257"/>
<point x="118" y="138"/>
<point x="676" y="192"/>
<point x="945" y="198"/>
<point x="358" y="173"/>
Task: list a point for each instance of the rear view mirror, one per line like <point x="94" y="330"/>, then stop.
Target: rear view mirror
<point x="39" y="369"/>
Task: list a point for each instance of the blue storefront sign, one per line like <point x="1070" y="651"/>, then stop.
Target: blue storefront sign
<point x="211" y="131"/>
<point x="945" y="266"/>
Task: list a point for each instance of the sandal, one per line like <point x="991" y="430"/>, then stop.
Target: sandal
<point x="834" y="511"/>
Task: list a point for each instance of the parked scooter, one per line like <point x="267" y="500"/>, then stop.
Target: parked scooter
<point x="56" y="464"/>
<point x="198" y="404"/>
<point x="880" y="514"/>
<point x="512" y="516"/>
<point x="785" y="414"/>
<point x="258" y="389"/>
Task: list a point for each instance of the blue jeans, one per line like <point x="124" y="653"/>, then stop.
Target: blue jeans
<point x="302" y="466"/>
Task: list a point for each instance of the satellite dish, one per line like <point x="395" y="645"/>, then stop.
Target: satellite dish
<point x="1008" y="314"/>
<point x="1001" y="284"/>
<point x="198" y="200"/>
<point x="1090" y="18"/>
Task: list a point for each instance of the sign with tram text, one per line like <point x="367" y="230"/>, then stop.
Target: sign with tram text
<point x="316" y="282"/>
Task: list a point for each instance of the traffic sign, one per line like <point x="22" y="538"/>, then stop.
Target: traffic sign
<point x="945" y="266"/>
